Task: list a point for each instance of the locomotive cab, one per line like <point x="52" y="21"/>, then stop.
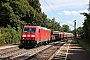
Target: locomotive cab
<point x="28" y="36"/>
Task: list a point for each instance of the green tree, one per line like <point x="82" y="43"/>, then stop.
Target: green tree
<point x="35" y="4"/>
<point x="55" y="26"/>
<point x="80" y="32"/>
<point x="65" y="28"/>
<point x="16" y="13"/>
<point x="86" y="27"/>
<point x="8" y="17"/>
<point x="44" y="16"/>
<point x="86" y="24"/>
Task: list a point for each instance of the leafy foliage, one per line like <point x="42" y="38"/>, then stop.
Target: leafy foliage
<point x="80" y="31"/>
<point x="86" y="27"/>
<point x="14" y="14"/>
<point x="9" y="35"/>
<point x="65" y="28"/>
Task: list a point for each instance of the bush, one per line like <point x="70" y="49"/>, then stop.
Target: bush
<point x="10" y="36"/>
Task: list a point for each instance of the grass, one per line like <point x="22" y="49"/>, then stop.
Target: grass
<point x="84" y="45"/>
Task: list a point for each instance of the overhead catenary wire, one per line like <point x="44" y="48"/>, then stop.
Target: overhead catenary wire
<point x="54" y="12"/>
<point x="61" y="22"/>
<point x="51" y="9"/>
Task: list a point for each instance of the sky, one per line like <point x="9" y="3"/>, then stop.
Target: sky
<point x="65" y="11"/>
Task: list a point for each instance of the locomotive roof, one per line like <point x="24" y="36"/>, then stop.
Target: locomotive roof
<point x="44" y="28"/>
<point x="38" y="27"/>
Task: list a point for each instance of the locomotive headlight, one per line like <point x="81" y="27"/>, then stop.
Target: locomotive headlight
<point x="33" y="36"/>
<point x="23" y="35"/>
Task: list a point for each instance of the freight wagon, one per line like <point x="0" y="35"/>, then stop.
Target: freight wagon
<point x="58" y="35"/>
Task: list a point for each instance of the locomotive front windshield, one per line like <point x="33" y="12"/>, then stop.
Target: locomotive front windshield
<point x="29" y="29"/>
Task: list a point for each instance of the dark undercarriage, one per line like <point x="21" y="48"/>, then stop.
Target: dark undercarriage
<point x="27" y="43"/>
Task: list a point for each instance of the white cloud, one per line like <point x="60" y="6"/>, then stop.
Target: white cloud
<point x="70" y="12"/>
<point x="74" y="12"/>
<point x="59" y="13"/>
<point x="68" y="23"/>
<point x="86" y="11"/>
<point x="67" y="12"/>
<point x="62" y="24"/>
<point x="62" y="4"/>
<point x="58" y="19"/>
<point x="73" y="8"/>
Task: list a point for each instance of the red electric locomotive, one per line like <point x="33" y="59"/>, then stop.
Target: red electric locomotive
<point x="33" y="35"/>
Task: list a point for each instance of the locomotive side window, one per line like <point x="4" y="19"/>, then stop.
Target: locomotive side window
<point x="29" y="29"/>
<point x="39" y="30"/>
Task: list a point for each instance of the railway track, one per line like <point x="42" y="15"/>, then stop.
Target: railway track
<point x="21" y="54"/>
<point x="62" y="53"/>
<point x="44" y="52"/>
<point x="7" y="50"/>
<point x="47" y="54"/>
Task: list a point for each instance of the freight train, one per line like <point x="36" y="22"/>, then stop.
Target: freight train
<point x="37" y="35"/>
